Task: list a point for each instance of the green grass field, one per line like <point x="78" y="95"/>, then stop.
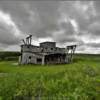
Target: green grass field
<point x="79" y="80"/>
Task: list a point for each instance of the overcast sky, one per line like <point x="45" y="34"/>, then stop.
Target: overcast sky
<point x="66" y="22"/>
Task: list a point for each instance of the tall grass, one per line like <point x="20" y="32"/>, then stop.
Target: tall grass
<point x="77" y="81"/>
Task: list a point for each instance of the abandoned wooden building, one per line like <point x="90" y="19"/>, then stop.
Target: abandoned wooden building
<point x="46" y="53"/>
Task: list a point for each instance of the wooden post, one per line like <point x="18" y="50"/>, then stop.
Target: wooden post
<point x="30" y="39"/>
<point x="23" y="41"/>
<point x="70" y="53"/>
<point x="67" y="51"/>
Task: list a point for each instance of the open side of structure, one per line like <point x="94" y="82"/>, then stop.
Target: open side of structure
<point x="46" y="53"/>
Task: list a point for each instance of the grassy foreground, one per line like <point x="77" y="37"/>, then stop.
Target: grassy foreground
<point x="77" y="81"/>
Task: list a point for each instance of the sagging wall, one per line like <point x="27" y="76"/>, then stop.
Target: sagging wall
<point x="30" y="48"/>
<point x="30" y="58"/>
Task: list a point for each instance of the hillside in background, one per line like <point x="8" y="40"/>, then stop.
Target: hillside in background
<point x="8" y="55"/>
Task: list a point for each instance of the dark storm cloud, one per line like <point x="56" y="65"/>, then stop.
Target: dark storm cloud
<point x="33" y="17"/>
<point x="63" y="21"/>
<point x="96" y="45"/>
<point x="7" y="37"/>
<point x="9" y="34"/>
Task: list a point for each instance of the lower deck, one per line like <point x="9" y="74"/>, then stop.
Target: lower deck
<point x="58" y="58"/>
<point x="55" y="59"/>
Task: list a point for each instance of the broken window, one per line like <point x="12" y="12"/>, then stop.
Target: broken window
<point x="42" y="50"/>
<point x="30" y="57"/>
<point x="28" y="46"/>
<point x="51" y="48"/>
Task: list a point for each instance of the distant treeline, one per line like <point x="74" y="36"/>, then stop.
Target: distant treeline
<point x="9" y="55"/>
<point x="6" y="55"/>
<point x="83" y="54"/>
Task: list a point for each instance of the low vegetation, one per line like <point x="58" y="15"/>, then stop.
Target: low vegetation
<point x="79" y="80"/>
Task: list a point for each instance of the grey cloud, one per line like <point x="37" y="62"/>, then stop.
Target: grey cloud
<point x="94" y="45"/>
<point x="44" y="16"/>
<point x="41" y="19"/>
<point x="7" y="35"/>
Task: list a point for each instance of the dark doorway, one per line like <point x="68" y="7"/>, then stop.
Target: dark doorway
<point x="57" y="58"/>
<point x="39" y="60"/>
<point x="29" y="60"/>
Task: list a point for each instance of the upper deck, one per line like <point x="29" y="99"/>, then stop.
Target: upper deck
<point x="45" y="47"/>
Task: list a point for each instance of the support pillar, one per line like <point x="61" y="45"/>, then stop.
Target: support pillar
<point x="43" y="60"/>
